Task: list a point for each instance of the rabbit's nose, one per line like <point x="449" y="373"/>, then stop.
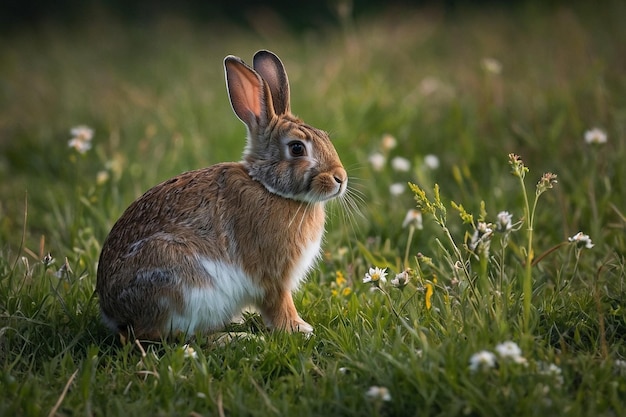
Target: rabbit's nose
<point x="340" y="176"/>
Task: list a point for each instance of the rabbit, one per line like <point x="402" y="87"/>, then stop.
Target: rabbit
<point x="193" y="251"/>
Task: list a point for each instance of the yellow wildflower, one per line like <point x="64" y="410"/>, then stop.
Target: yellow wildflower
<point x="340" y="279"/>
<point x="429" y="295"/>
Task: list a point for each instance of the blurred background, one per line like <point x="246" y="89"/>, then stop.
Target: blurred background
<point x="462" y="83"/>
<point x="297" y="15"/>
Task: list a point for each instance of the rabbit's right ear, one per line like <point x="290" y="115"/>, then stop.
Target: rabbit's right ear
<point x="248" y="94"/>
<point x="272" y="70"/>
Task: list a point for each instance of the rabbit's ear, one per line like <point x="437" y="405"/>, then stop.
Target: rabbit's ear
<point x="273" y="72"/>
<point x="248" y="93"/>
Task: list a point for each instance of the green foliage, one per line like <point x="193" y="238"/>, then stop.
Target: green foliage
<point x="424" y="109"/>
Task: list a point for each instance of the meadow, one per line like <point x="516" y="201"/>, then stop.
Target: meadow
<point x="504" y="127"/>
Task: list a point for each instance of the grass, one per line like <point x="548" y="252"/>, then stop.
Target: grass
<point x="155" y="96"/>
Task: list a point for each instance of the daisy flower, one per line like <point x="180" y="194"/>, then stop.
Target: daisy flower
<point x="375" y="275"/>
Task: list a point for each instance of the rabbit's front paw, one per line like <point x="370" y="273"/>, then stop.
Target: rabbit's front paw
<point x="282" y="314"/>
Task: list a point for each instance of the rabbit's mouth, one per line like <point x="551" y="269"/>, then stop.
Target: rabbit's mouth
<point x="328" y="185"/>
<point x="343" y="186"/>
<point x="314" y="197"/>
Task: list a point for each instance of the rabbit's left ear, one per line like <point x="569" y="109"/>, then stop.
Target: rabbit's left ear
<point x="272" y="70"/>
<point x="248" y="93"/>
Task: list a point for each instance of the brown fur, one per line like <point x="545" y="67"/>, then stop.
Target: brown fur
<point x="259" y="216"/>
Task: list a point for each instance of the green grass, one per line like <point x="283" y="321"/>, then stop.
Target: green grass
<point x="155" y="95"/>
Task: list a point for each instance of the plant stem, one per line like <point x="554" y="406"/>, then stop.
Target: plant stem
<point x="528" y="279"/>
<point x="408" y="246"/>
<point x="395" y="312"/>
<point x="604" y="350"/>
<point x="548" y="252"/>
<point x="483" y="278"/>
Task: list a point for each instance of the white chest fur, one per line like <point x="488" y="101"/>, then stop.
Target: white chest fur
<point x="307" y="258"/>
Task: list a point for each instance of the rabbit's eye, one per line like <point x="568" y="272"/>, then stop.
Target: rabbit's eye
<point x="296" y="148"/>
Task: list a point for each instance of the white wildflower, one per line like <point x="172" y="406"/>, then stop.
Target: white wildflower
<point x="378" y="161"/>
<point x="189" y="352"/>
<point x="397" y="189"/>
<point x="581" y="240"/>
<point x="510" y="351"/>
<point x="595" y="136"/>
<point x="431" y="161"/>
<point x="82" y="132"/>
<point x="504" y="221"/>
<point x="375" y="275"/>
<point x="482" y="360"/>
<point x="400" y="164"/>
<point x="378" y="393"/>
<point x="413" y="218"/>
<point x="481" y="239"/>
<point x="81" y="140"/>
<point x="484" y="228"/>
<point x="402" y="279"/>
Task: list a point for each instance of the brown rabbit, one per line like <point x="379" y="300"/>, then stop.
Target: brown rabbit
<point x="190" y="253"/>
